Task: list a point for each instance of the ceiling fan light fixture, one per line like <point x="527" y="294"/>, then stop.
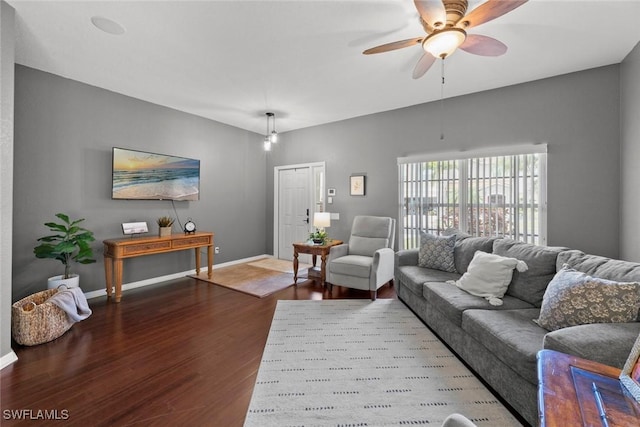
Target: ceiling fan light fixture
<point x="443" y="43"/>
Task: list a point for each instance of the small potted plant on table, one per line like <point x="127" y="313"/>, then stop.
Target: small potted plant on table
<point x="71" y="243"/>
<point x="319" y="237"/>
<point x="165" y="223"/>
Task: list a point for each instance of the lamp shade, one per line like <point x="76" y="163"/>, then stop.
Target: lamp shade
<point x="322" y="219"/>
<point x="443" y="43"/>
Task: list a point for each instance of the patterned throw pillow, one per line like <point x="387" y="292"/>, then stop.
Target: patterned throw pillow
<point x="437" y="252"/>
<point x="575" y="298"/>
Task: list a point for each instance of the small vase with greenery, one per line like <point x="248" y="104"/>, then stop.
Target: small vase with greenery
<point x="165" y="223"/>
<point x="71" y="243"/>
<point x="319" y="236"/>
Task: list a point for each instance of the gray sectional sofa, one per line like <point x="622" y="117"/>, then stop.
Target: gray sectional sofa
<point x="500" y="343"/>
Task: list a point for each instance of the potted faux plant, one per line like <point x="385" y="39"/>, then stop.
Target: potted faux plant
<point x="165" y="223"/>
<point x="319" y="237"/>
<point x="71" y="243"/>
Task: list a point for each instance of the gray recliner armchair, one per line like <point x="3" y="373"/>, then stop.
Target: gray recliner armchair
<point x="366" y="261"/>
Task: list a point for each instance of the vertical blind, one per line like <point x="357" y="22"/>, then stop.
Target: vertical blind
<point x="496" y="195"/>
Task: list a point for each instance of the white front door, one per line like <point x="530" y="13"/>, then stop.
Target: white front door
<point x="294" y="209"/>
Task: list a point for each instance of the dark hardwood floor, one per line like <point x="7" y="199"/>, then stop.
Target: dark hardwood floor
<point x="179" y="353"/>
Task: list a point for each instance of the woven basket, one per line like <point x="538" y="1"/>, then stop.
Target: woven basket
<point x="36" y="321"/>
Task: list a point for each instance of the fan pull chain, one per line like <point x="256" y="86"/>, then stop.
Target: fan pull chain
<point x="442" y="103"/>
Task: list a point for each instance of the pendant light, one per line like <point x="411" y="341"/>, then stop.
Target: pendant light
<point x="271" y="137"/>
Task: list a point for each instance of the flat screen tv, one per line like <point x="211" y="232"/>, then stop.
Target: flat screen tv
<point x="140" y="175"/>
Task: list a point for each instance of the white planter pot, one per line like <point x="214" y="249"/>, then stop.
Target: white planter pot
<point x="71" y="282"/>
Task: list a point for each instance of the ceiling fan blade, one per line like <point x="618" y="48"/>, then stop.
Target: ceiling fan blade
<point x="483" y="45"/>
<point x="432" y="12"/>
<point x="488" y="11"/>
<point x="424" y="63"/>
<point x="393" y="46"/>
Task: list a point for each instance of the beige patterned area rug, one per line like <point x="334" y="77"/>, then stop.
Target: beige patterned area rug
<point x="362" y="363"/>
<point x="259" y="278"/>
<point x="281" y="265"/>
<point x="256" y="281"/>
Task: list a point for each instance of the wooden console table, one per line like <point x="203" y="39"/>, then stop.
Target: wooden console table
<point x="578" y="392"/>
<point x="314" y="250"/>
<point x="116" y="250"/>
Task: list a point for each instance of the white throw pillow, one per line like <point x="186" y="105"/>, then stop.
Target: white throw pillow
<point x="489" y="276"/>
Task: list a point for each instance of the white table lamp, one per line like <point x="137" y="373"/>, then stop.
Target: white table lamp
<point x="321" y="220"/>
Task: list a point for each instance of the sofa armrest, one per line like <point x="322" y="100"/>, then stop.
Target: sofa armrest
<point x="608" y="343"/>
<point x="338" y="251"/>
<point x="406" y="257"/>
<point x="383" y="263"/>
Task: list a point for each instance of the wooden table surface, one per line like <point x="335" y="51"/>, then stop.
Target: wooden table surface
<point x="577" y="392"/>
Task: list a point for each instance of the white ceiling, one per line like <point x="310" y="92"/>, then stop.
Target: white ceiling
<point x="231" y="61"/>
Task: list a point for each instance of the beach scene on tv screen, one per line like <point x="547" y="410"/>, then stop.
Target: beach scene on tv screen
<point x="140" y="175"/>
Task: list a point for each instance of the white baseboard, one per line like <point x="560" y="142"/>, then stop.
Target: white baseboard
<point x="154" y="280"/>
<point x="7" y="359"/>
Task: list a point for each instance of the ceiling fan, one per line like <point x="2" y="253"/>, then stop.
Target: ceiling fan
<point x="446" y="23"/>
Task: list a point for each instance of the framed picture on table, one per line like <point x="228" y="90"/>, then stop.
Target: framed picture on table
<point x="630" y="374"/>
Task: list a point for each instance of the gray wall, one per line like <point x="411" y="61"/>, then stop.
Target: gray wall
<point x="64" y="133"/>
<point x="577" y="115"/>
<point x="630" y="159"/>
<point x="7" y="19"/>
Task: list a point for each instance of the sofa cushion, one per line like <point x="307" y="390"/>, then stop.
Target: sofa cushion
<point x="510" y="335"/>
<point x="437" y="252"/>
<point x="455" y="232"/>
<point x="352" y="265"/>
<point x="452" y="301"/>
<point x="489" y="275"/>
<point x="370" y="233"/>
<point x="606" y="343"/>
<point x="598" y="266"/>
<point x="467" y="247"/>
<point x="366" y="246"/>
<point x="575" y="298"/>
<point x="541" y="260"/>
<point x="414" y="277"/>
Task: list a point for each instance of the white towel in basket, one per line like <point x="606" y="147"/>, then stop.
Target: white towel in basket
<point x="73" y="302"/>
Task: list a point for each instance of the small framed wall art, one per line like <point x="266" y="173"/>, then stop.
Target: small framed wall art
<point x="357" y="185"/>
